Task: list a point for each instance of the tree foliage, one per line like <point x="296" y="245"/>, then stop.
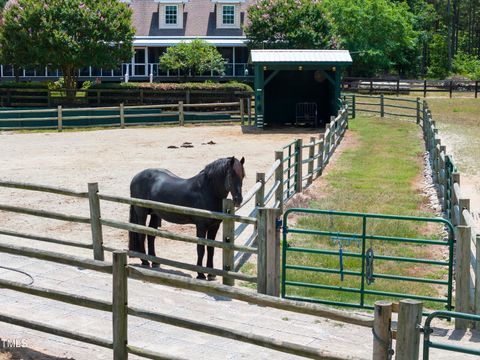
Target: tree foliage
<point x="379" y="33"/>
<point x="66" y="34"/>
<point x="194" y="58"/>
<point x="298" y="24"/>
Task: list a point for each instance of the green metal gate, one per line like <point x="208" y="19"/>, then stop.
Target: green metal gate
<point x="353" y="259"/>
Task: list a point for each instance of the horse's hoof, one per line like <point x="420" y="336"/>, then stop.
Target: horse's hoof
<point x="211" y="277"/>
<point x="201" y="277"/>
<point x="155" y="265"/>
<point x="145" y="264"/>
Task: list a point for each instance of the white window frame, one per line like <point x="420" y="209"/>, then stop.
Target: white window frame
<point x="224" y="24"/>
<point x="167" y="24"/>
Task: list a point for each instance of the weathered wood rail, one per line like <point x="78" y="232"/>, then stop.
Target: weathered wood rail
<point x="120" y="310"/>
<point x="122" y="116"/>
<point x="407" y="86"/>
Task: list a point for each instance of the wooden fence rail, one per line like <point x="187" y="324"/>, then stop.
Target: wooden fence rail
<point x="116" y="116"/>
<point x="120" y="310"/>
<point x="404" y="86"/>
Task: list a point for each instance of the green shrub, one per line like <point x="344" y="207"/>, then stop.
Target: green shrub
<point x="467" y="65"/>
<point x="87" y="85"/>
<point x="57" y="85"/>
<point x="208" y="85"/>
<point x="25" y="84"/>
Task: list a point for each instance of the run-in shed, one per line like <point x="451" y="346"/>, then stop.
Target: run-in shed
<point x="297" y="86"/>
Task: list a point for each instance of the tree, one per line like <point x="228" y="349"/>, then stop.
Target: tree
<point x="194" y="58"/>
<point x="379" y="33"/>
<point x="66" y="34"/>
<point x="292" y="24"/>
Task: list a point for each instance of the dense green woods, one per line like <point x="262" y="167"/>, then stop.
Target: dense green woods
<point x="409" y="38"/>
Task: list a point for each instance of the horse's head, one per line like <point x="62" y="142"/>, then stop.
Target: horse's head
<point x="234" y="179"/>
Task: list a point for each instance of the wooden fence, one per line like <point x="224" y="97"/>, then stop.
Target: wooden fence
<point x="404" y="87"/>
<point x="122" y="116"/>
<point x="120" y="310"/>
<point x="30" y="97"/>
<point x="455" y="205"/>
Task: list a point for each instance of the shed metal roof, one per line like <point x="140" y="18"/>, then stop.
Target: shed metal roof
<point x="301" y="56"/>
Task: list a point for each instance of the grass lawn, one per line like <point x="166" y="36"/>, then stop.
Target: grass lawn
<point x="458" y="122"/>
<point x="379" y="172"/>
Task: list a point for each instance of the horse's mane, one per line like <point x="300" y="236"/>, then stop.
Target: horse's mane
<point x="218" y="167"/>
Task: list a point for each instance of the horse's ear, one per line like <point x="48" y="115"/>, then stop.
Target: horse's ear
<point x="242" y="161"/>
<point x="232" y="161"/>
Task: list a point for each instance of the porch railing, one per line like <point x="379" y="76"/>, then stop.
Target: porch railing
<point x="133" y="70"/>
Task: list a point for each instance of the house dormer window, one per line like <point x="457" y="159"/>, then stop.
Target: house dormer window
<point x="228" y="15"/>
<point x="170" y="13"/>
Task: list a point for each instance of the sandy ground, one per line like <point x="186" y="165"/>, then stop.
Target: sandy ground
<point x="111" y="158"/>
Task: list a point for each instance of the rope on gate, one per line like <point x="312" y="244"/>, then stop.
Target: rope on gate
<point x="369" y="257"/>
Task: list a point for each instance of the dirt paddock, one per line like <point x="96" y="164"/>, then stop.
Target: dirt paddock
<point x="112" y="158"/>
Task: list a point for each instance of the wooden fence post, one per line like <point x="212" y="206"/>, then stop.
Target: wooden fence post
<point x="311" y="155"/>
<point x="320" y="157"/>
<point x="95" y="224"/>
<point x="181" y="114"/>
<point x="462" y="274"/>
<point x="476" y="89"/>
<point x="60" y="118"/>
<point x="279" y="178"/>
<point x="260" y="195"/>
<point x="424" y="88"/>
<point x="249" y="110"/>
<point x="408" y="332"/>
<point x="333" y="131"/>
<point x="229" y="238"/>
<point x="382" y="336"/>
<point x="122" y="116"/>
<point x="451" y="88"/>
<point x="299" y="165"/>
<point x="418" y="110"/>
<point x="476" y="295"/>
<point x="120" y="305"/>
<point x="268" y="260"/>
<point x="382" y="106"/>
<point x="353" y="106"/>
<point x="242" y="111"/>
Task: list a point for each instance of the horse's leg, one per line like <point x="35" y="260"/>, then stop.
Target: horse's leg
<point x="137" y="241"/>
<point x="155" y="222"/>
<point x="201" y="232"/>
<point x="211" y="234"/>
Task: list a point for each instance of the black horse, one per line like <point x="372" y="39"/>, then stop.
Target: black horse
<point x="206" y="190"/>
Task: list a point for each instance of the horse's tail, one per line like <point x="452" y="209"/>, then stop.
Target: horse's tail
<point x="133" y="236"/>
